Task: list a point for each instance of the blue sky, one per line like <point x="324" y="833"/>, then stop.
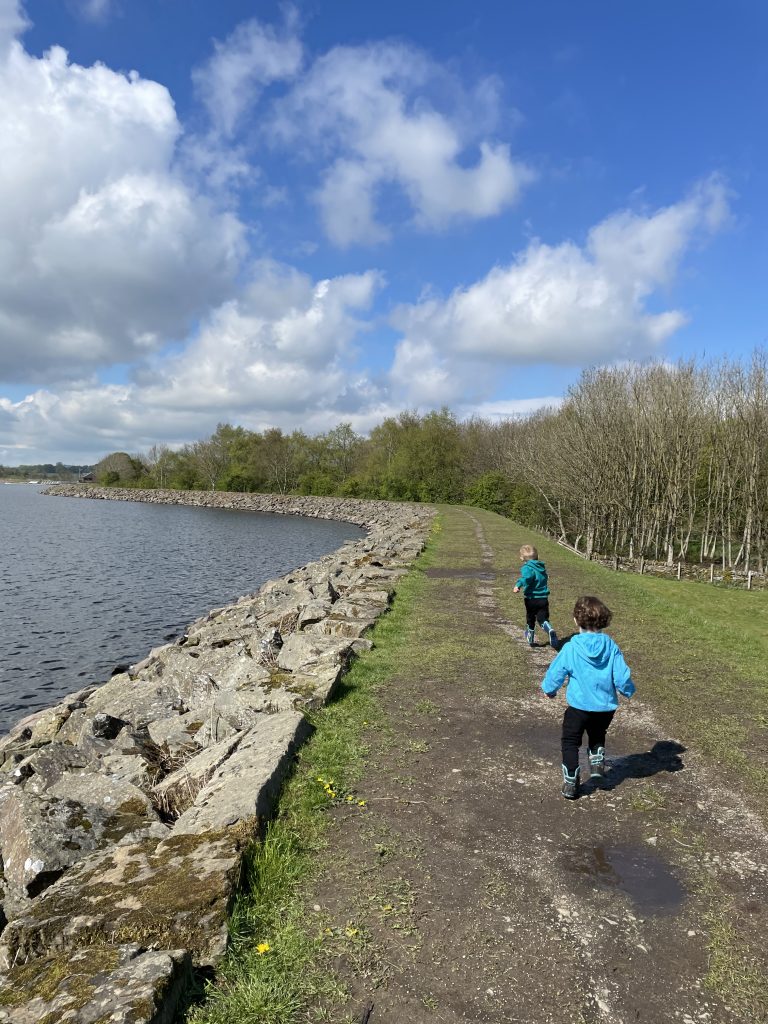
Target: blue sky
<point x="333" y="212"/>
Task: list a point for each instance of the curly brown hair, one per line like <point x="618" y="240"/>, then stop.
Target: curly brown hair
<point x="590" y="613"/>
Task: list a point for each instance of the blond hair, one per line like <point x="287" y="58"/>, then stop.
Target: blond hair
<point x="528" y="551"/>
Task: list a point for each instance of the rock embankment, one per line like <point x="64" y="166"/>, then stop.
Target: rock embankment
<point x="125" y="809"/>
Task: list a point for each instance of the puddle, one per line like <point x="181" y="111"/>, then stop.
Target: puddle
<point x="639" y="874"/>
<point x="464" y="574"/>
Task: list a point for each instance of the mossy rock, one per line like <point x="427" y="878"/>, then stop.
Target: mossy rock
<point x="103" y="984"/>
<point x="174" y="894"/>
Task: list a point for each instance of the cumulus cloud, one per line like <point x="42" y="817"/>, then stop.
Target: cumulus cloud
<point x="253" y="56"/>
<point x="105" y="252"/>
<point x="12" y="23"/>
<point x="281" y="352"/>
<point x="372" y="111"/>
<point x="565" y="303"/>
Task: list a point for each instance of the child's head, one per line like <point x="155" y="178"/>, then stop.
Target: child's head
<point x="591" y="614"/>
<point x="528" y="551"/>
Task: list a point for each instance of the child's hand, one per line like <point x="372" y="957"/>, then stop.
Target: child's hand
<point x="515" y="589"/>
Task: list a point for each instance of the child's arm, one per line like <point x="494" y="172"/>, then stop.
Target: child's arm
<point x="557" y="673"/>
<point x="521" y="579"/>
<point x="622" y="678"/>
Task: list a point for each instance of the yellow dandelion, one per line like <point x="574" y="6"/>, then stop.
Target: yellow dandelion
<point x="361" y="803"/>
<point x="351" y="932"/>
<point x="263" y="947"/>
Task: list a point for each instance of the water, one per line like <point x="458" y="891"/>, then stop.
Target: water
<point x="86" y="585"/>
<point x="632" y="870"/>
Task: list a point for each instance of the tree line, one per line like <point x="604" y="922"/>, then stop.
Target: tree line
<point x="44" y="471"/>
<point x="654" y="460"/>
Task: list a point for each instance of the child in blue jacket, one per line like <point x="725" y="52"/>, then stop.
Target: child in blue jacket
<point x="596" y="673"/>
<point x="535" y="587"/>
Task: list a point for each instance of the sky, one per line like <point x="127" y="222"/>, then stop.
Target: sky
<point x="298" y="215"/>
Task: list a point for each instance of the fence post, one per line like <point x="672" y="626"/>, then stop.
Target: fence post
<point x="711" y="572"/>
<point x="642" y="565"/>
<point x="615" y="563"/>
<point x="679" y="569"/>
<point x="749" y="580"/>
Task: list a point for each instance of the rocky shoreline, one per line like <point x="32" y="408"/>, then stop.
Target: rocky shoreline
<point x="125" y="809"/>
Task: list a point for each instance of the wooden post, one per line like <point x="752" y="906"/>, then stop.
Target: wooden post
<point x="749" y="580"/>
<point x="711" y="572"/>
<point x="642" y="565"/>
<point x="679" y="570"/>
<point x="615" y="563"/>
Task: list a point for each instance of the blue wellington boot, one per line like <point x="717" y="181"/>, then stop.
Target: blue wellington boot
<point x="552" y="634"/>
<point x="570" y="784"/>
<point x="597" y="763"/>
<point x="529" y="633"/>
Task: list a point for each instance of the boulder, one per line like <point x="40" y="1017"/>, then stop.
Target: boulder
<point x="81" y="987"/>
<point x="172" y="894"/>
<point x="177" y="731"/>
<point x="46" y="765"/>
<point x="302" y="651"/>
<point x="315" y="611"/>
<point x="246" y="784"/>
<point x="41" y="836"/>
<point x="179" y="790"/>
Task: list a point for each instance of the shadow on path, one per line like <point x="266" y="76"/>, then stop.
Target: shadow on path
<point x="664" y="756"/>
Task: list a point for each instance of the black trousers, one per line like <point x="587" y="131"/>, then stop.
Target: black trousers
<point x="536" y="610"/>
<point x="575" y="723"/>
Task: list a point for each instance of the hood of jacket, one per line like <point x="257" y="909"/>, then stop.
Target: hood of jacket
<point x="596" y="649"/>
<point x="537" y="567"/>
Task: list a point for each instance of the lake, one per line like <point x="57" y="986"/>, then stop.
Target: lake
<point x="86" y="585"/>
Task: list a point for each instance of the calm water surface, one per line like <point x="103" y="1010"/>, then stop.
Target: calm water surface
<point x="85" y="585"/>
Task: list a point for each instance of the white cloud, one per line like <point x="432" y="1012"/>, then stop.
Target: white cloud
<point x="282" y="353"/>
<point x="511" y="408"/>
<point x="370" y="111"/>
<point x="253" y="56"/>
<point x="564" y="304"/>
<point x="12" y="23"/>
<point x="105" y="252"/>
<point x="281" y="346"/>
<point x="95" y="10"/>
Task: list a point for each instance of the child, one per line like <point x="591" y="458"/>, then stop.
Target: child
<point x="533" y="583"/>
<point x="595" y="669"/>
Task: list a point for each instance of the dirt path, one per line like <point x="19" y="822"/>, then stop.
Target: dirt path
<point x="471" y="891"/>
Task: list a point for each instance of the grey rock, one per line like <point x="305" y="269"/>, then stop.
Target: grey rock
<point x="172" y="894"/>
<point x="121" y="984"/>
<point x="302" y="651"/>
<point x="315" y="611"/>
<point x="179" y="790"/>
<point x="106" y="727"/>
<point x="247" y="783"/>
<point x="42" y="835"/>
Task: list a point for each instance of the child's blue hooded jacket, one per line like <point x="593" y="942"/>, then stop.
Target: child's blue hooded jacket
<point x="595" y="669"/>
<point x="533" y="579"/>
